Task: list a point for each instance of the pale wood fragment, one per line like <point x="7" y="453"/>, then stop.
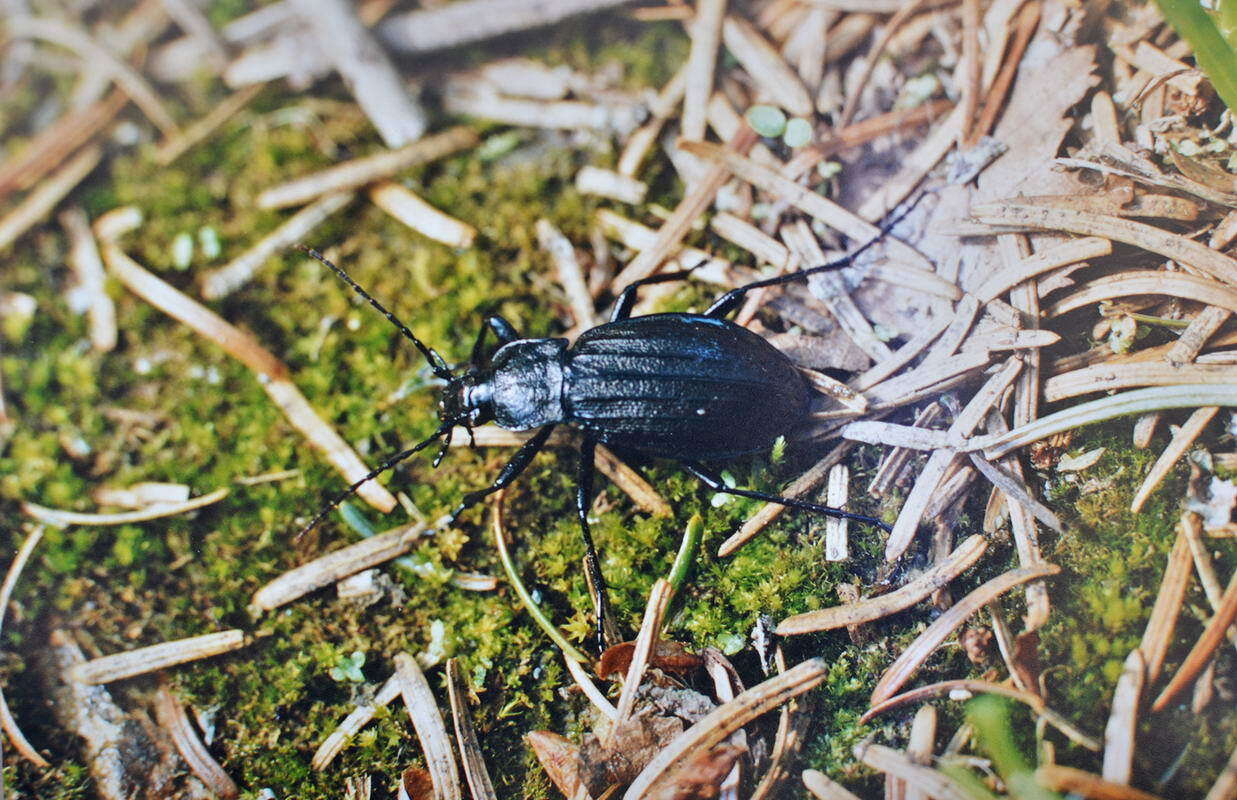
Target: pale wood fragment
<point x="217" y="283"/>
<point x="706" y="35"/>
<point x="836" y="496"/>
<point x="141" y="495"/>
<point x="642" y="139"/>
<point x="360" y="171"/>
<point x="336" y="565"/>
<point x="366" y="69"/>
<point x="143" y="660"/>
<point x="433" y="223"/>
<point x="87" y="267"/>
<point x="445" y="26"/>
<point x="570" y="276"/>
<point x="824" y="788"/>
<point x="1123" y="720"/>
<point x="919" y="748"/>
<point x="742" y="233"/>
<point x="610" y="183"/>
<point x="431" y="731"/>
<point x="873" y="608"/>
<point x="174" y="147"/>
<point x="475" y="772"/>
<point x="1195" y="336"/>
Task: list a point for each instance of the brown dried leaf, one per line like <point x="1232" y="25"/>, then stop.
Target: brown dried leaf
<point x="415" y="784"/>
<point x="976" y="643"/>
<point x="667" y="655"/>
<point x="620" y="756"/>
<point x="1025" y="659"/>
<point x="700" y="777"/>
<point x="559" y="758"/>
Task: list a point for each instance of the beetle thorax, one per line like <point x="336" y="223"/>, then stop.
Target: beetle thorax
<point x="525" y="383"/>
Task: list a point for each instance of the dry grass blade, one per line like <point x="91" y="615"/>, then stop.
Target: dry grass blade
<point x="270" y="371"/>
<point x="1068" y="779"/>
<point x="431" y="732"/>
<point x="356" y="719"/>
<point x="475" y="772"/>
<point x="422" y="217"/>
<point x="812" y="204"/>
<point x="62" y="519"/>
<point x="646" y="640"/>
<point x="1139" y="401"/>
<point x="1123" y="720"/>
<point x="217" y="283"/>
<point x="1051" y="258"/>
<point x="874" y="431"/>
<point x="824" y="788"/>
<point x="611" y="184"/>
<point x="173" y="148"/>
<point x="706" y="35"/>
<point x="1182" y="440"/>
<point x="1140" y="282"/>
<point x="40" y="202"/>
<point x="894" y="762"/>
<point x="766" y="67"/>
<point x="1204" y="648"/>
<point x="51" y="146"/>
<point x="919" y="747"/>
<point x="1107" y="377"/>
<point x="1161" y="623"/>
<point x="1147" y="237"/>
<point x="685" y="214"/>
<point x="724" y="720"/>
<point x="336" y="565"/>
<point x="99" y="57"/>
<point x="883" y="605"/>
<point x="966" y="687"/>
<point x="944" y="625"/>
<point x="19" y="740"/>
<point x="172" y="717"/>
<point x="119" y="666"/>
<point x="361" y="171"/>
<point x="589" y="688"/>
<point x="1017" y="491"/>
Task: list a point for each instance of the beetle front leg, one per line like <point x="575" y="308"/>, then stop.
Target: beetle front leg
<point x="715" y="483"/>
<point x="506" y="476"/>
<point x="584" y="501"/>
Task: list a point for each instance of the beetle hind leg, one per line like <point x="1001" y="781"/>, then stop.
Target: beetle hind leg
<point x="597" y="584"/>
<point x="715" y="483"/>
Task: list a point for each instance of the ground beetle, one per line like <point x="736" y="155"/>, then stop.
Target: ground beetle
<point x="692" y="388"/>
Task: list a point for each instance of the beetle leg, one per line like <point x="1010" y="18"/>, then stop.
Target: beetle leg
<point x="504" y="331"/>
<point x="584" y="500"/>
<point x="627" y="298"/>
<point x="715" y="483"/>
<point x="505" y="477"/>
<point x="731" y="299"/>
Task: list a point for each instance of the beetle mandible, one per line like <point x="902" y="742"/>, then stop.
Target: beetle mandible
<point x="692" y="388"/>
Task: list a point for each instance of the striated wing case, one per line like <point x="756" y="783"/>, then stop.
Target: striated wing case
<point x="681" y="386"/>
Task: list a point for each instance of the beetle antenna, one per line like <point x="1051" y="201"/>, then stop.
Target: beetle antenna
<point x="444" y="429"/>
<point x="436" y="363"/>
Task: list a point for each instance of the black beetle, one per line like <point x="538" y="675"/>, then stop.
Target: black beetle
<point x="692" y="388"/>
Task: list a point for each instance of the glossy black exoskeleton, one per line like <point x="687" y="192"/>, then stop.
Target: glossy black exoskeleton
<point x="692" y="388"/>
